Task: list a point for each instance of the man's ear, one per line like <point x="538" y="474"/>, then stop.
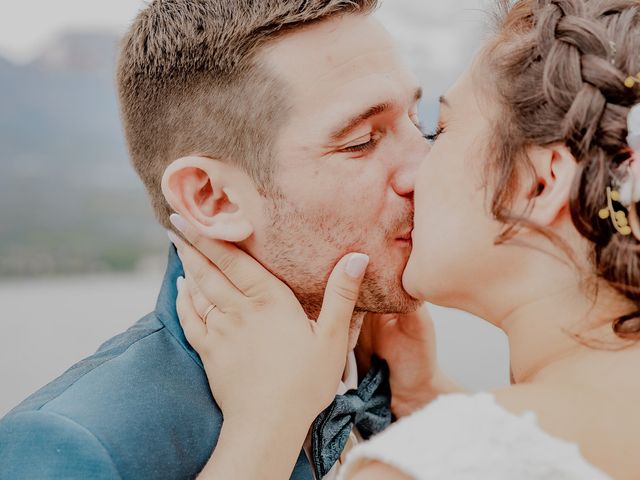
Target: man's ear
<point x="208" y="194"/>
<point x="555" y="169"/>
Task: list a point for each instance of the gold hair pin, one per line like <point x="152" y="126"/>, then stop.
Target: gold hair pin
<point x="618" y="218"/>
<point x="631" y="81"/>
<point x="627" y="191"/>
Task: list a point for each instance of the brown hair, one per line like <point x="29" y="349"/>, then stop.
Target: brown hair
<point x="189" y="82"/>
<point x="560" y="68"/>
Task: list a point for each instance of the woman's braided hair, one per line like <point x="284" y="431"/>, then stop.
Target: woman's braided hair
<point x="559" y="69"/>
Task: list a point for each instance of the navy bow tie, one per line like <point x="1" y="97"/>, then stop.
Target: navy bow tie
<point x="368" y="408"/>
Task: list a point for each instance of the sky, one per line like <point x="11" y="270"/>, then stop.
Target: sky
<point x="27" y="25"/>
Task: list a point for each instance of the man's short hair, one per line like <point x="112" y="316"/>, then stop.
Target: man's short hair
<point x="189" y="82"/>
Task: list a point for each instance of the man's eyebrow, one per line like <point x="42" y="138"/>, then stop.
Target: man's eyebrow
<point x="358" y="119"/>
<point x="444" y="101"/>
<point x="366" y="115"/>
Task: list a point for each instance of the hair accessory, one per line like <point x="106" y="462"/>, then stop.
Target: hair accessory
<point x="631" y="81"/>
<point x="627" y="190"/>
<point x="633" y="127"/>
<point x="618" y="217"/>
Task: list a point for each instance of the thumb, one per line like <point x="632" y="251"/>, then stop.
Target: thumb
<point x="342" y="293"/>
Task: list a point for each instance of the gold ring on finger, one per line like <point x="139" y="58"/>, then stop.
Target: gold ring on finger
<point x="209" y="310"/>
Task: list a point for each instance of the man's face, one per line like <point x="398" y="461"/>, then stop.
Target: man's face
<point x="346" y="162"/>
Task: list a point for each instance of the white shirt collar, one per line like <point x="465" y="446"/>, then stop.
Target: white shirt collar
<point x="350" y="376"/>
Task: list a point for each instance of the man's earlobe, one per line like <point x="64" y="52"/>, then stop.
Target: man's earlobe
<point x="555" y="169"/>
<point x="203" y="191"/>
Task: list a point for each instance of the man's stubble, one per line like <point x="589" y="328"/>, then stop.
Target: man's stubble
<point x="303" y="246"/>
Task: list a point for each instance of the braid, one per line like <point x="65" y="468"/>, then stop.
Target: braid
<point x="579" y="79"/>
<point x="561" y="67"/>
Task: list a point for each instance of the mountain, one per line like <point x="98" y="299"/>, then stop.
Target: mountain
<point x="91" y="52"/>
<point x="70" y="201"/>
<point x="5" y="64"/>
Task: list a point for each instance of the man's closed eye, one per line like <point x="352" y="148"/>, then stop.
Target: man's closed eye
<point x="362" y="144"/>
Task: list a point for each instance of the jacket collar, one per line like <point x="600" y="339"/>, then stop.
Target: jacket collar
<point x="167" y="314"/>
<point x="166" y="304"/>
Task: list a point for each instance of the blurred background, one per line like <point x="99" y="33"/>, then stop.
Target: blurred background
<point x="81" y="256"/>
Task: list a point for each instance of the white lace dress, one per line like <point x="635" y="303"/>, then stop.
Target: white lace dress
<point x="471" y="437"/>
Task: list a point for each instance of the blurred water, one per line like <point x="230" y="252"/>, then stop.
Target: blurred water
<point x="47" y="325"/>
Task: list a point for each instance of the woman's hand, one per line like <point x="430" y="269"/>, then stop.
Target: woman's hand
<point x="271" y="369"/>
<point x="264" y="358"/>
<point x="408" y="344"/>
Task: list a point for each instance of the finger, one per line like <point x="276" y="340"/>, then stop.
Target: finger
<point x="200" y="302"/>
<point x="215" y="286"/>
<point x="194" y="329"/>
<point x="204" y="308"/>
<point x="246" y="273"/>
<point x="214" y="318"/>
<point x="341" y="294"/>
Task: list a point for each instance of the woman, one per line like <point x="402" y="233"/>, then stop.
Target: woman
<point x="526" y="216"/>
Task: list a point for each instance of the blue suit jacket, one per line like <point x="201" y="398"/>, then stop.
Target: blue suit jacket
<point x="139" y="408"/>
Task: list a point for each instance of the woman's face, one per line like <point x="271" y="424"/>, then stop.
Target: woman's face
<point x="453" y="239"/>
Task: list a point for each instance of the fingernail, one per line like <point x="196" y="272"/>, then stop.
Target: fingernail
<point x="179" y="283"/>
<point x="356" y="265"/>
<point x="178" y="222"/>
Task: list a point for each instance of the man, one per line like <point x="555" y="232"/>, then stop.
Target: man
<point x="294" y="125"/>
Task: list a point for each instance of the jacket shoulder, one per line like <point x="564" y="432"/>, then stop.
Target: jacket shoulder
<point x="142" y="396"/>
<point x="39" y="444"/>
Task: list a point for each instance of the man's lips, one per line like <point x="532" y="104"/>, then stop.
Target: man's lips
<point x="406" y="237"/>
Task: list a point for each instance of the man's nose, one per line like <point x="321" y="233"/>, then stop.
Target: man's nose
<point x="404" y="180"/>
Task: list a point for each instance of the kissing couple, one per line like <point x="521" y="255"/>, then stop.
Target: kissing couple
<point x="280" y="143"/>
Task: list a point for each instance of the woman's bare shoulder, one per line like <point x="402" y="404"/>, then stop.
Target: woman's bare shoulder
<point x="378" y="471"/>
<point x="550" y="403"/>
<point x="530" y="397"/>
<point x="558" y="408"/>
